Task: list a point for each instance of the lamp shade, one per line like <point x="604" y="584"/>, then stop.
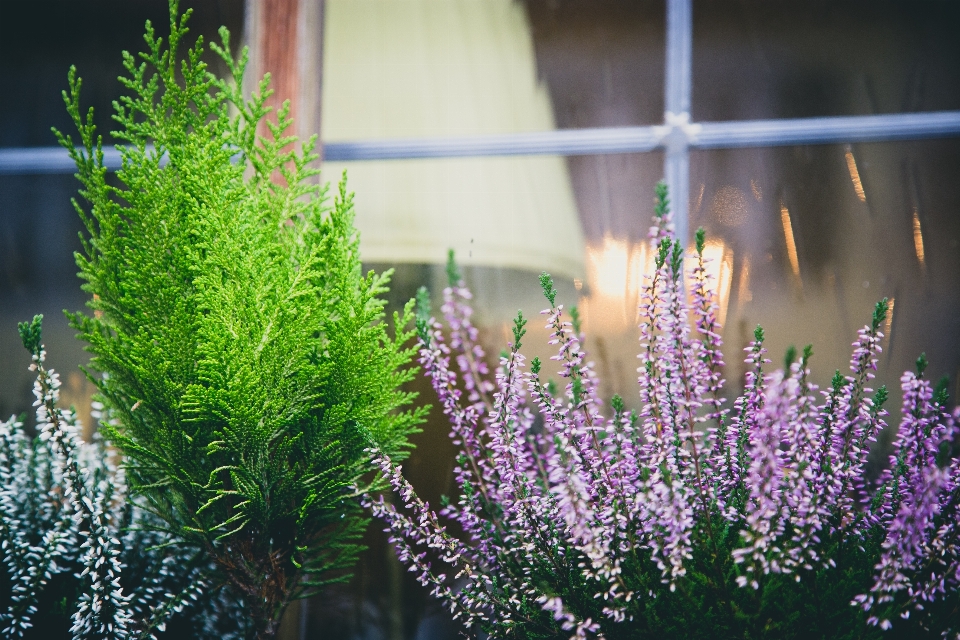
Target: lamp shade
<point x="436" y="68"/>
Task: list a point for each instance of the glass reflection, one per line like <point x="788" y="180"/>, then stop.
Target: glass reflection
<point x="811" y="264"/>
<point x="918" y="240"/>
<point x="855" y="174"/>
<point x="790" y="242"/>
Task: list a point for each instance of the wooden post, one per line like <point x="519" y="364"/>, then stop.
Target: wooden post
<point x="286" y="40"/>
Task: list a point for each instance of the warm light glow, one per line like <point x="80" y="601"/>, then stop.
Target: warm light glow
<point x="918" y="239"/>
<point x="788" y="237"/>
<point x="888" y="324"/>
<point x="718" y="262"/>
<point x="615" y="275"/>
<point x="615" y="267"/>
<point x="743" y="286"/>
<point x="855" y="175"/>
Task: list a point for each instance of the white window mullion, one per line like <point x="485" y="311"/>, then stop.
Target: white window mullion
<point x="677" y="92"/>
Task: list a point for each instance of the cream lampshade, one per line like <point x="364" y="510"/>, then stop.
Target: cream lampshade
<point x="436" y="68"/>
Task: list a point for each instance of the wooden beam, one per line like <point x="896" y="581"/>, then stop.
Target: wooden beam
<point x="285" y="38"/>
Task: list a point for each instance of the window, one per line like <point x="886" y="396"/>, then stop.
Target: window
<point x="817" y="143"/>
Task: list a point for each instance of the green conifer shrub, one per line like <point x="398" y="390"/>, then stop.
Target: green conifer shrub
<point x="237" y="342"/>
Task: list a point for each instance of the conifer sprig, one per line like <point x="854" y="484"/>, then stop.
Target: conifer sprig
<point x="247" y="358"/>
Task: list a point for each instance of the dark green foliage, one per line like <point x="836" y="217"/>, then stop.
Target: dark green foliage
<point x="789" y="357"/>
<point x="705" y="608"/>
<point x="880" y="313"/>
<point x="701" y="240"/>
<point x="940" y="394"/>
<point x="575" y="321"/>
<point x="880" y="398"/>
<point x="662" y="202"/>
<point x="245" y="353"/>
<point x="546" y="283"/>
<point x="663" y="251"/>
<point x="31" y="333"/>
<point x="535" y="365"/>
<point x="519" y="330"/>
<point x="921" y="364"/>
<point x="758" y="335"/>
<point x="454" y="277"/>
<point x="423" y="313"/>
<point x="616" y="402"/>
<point x="676" y="260"/>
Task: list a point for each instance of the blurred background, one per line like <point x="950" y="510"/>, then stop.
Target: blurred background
<point x="804" y="239"/>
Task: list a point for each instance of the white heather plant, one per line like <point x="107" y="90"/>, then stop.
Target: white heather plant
<point x="688" y="519"/>
<point x="81" y="558"/>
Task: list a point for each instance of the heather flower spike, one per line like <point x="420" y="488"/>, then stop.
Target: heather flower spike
<point x="686" y="517"/>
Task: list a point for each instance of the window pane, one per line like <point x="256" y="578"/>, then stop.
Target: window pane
<point x="423" y="68"/>
<point x="38" y="236"/>
<point x="756" y="59"/>
<point x="40" y="40"/>
<point x="603" y="60"/>
<point x="814" y="236"/>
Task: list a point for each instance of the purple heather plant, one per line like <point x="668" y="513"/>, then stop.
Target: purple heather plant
<point x="685" y="519"/>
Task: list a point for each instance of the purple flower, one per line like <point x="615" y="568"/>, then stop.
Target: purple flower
<point x="579" y="516"/>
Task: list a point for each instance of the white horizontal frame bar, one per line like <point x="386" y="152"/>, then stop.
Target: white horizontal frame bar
<point x="705" y="135"/>
<point x="562" y="142"/>
<point x="34" y="160"/>
<point x="573" y="142"/>
<point x="766" y="133"/>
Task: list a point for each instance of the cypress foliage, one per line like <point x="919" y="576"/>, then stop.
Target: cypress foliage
<point x="243" y="352"/>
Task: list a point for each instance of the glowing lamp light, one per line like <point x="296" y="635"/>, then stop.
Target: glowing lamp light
<point x="918" y="239"/>
<point x="718" y="262"/>
<point x="615" y="269"/>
